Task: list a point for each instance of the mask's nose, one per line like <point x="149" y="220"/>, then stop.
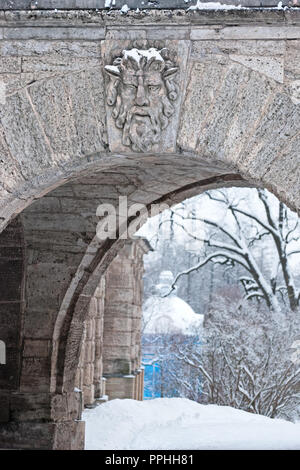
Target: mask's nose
<point x="141" y="98"/>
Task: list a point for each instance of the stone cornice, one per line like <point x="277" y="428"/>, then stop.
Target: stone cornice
<point x="38" y="23"/>
<point x="117" y="4"/>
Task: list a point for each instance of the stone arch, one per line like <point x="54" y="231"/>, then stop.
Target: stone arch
<point x="92" y="258"/>
<point x="94" y="267"/>
<point x="235" y="122"/>
<point x="230" y="91"/>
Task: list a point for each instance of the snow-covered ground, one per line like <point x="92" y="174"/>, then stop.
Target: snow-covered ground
<point x="178" y="423"/>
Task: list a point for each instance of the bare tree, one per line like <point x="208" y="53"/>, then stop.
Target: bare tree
<point x="242" y="357"/>
<point x="236" y="241"/>
<point x="243" y="363"/>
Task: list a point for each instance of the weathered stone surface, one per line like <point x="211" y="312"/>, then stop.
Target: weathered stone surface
<point x="102" y="4"/>
<point x="144" y="197"/>
<point x="36" y="348"/>
<point x="124" y="33"/>
<point x="256" y="94"/>
<point x="125" y="385"/>
<point x="272" y="67"/>
<point x="35" y="374"/>
<point x="53" y="222"/>
<point x="46" y="204"/>
<point x="61" y="103"/>
<point x="118" y="324"/>
<point x="269" y="140"/>
<point x="27" y="33"/>
<point x="10" y="65"/>
<point x="46" y="296"/>
<point x="26" y="435"/>
<point x="292" y="60"/>
<point x="49" y="49"/>
<point x="56" y="436"/>
<point x="11" y="302"/>
<point x="204" y="80"/>
<point x="29" y="149"/>
<point x="246" y="32"/>
<point x="4" y="408"/>
<point x="286" y="166"/>
<point x="68" y="303"/>
<point x="99" y="193"/>
<point x="121" y="339"/>
<point x="44" y="317"/>
<point x="10" y="313"/>
<point x="56" y="64"/>
<point x="10" y="274"/>
<point x="43" y="406"/>
<point x="263" y="47"/>
<point x="210" y="133"/>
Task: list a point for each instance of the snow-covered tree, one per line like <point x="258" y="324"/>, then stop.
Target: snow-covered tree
<point x="238" y="238"/>
<point x="243" y="360"/>
<point x="241" y="246"/>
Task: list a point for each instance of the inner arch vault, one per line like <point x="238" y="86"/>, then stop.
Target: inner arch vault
<point x="234" y="120"/>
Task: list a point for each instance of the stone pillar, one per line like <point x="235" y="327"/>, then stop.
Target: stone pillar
<point x="11" y="306"/>
<point x="122" y="321"/>
<point x="80" y="369"/>
<point x="89" y="354"/>
<point x="42" y="421"/>
<point x="89" y="373"/>
<point x="30" y="416"/>
<point x="141" y="397"/>
<point x="110" y="356"/>
<point x="99" y="383"/>
<point x="139" y="384"/>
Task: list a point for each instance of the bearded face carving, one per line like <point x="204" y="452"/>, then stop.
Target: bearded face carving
<point x="141" y="90"/>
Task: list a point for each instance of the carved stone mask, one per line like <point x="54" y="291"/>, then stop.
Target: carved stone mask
<point x="141" y="89"/>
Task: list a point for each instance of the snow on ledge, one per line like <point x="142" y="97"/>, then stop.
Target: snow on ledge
<point x="137" y="54"/>
<point x="221" y="6"/>
<point x="214" y="6"/>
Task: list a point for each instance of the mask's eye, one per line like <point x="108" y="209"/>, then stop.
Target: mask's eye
<point x="154" y="88"/>
<point x="131" y="87"/>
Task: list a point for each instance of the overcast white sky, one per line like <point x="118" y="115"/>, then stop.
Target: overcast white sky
<point x="204" y="207"/>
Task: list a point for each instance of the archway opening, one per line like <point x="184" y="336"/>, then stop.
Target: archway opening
<point x="64" y="263"/>
<point x="221" y="314"/>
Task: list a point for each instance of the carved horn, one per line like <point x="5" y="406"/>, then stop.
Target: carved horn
<point x="112" y="70"/>
<point x="169" y="72"/>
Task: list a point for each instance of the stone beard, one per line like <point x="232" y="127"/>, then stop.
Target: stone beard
<point x="141" y="90"/>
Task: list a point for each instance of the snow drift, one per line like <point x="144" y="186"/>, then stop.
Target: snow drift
<point x="179" y="423"/>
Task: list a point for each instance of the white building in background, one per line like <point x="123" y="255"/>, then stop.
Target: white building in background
<point x="164" y="315"/>
<point x="169" y="314"/>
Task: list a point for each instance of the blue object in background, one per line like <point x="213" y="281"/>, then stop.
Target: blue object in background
<point x="151" y="377"/>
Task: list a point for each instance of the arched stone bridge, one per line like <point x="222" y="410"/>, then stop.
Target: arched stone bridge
<point x="156" y="104"/>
